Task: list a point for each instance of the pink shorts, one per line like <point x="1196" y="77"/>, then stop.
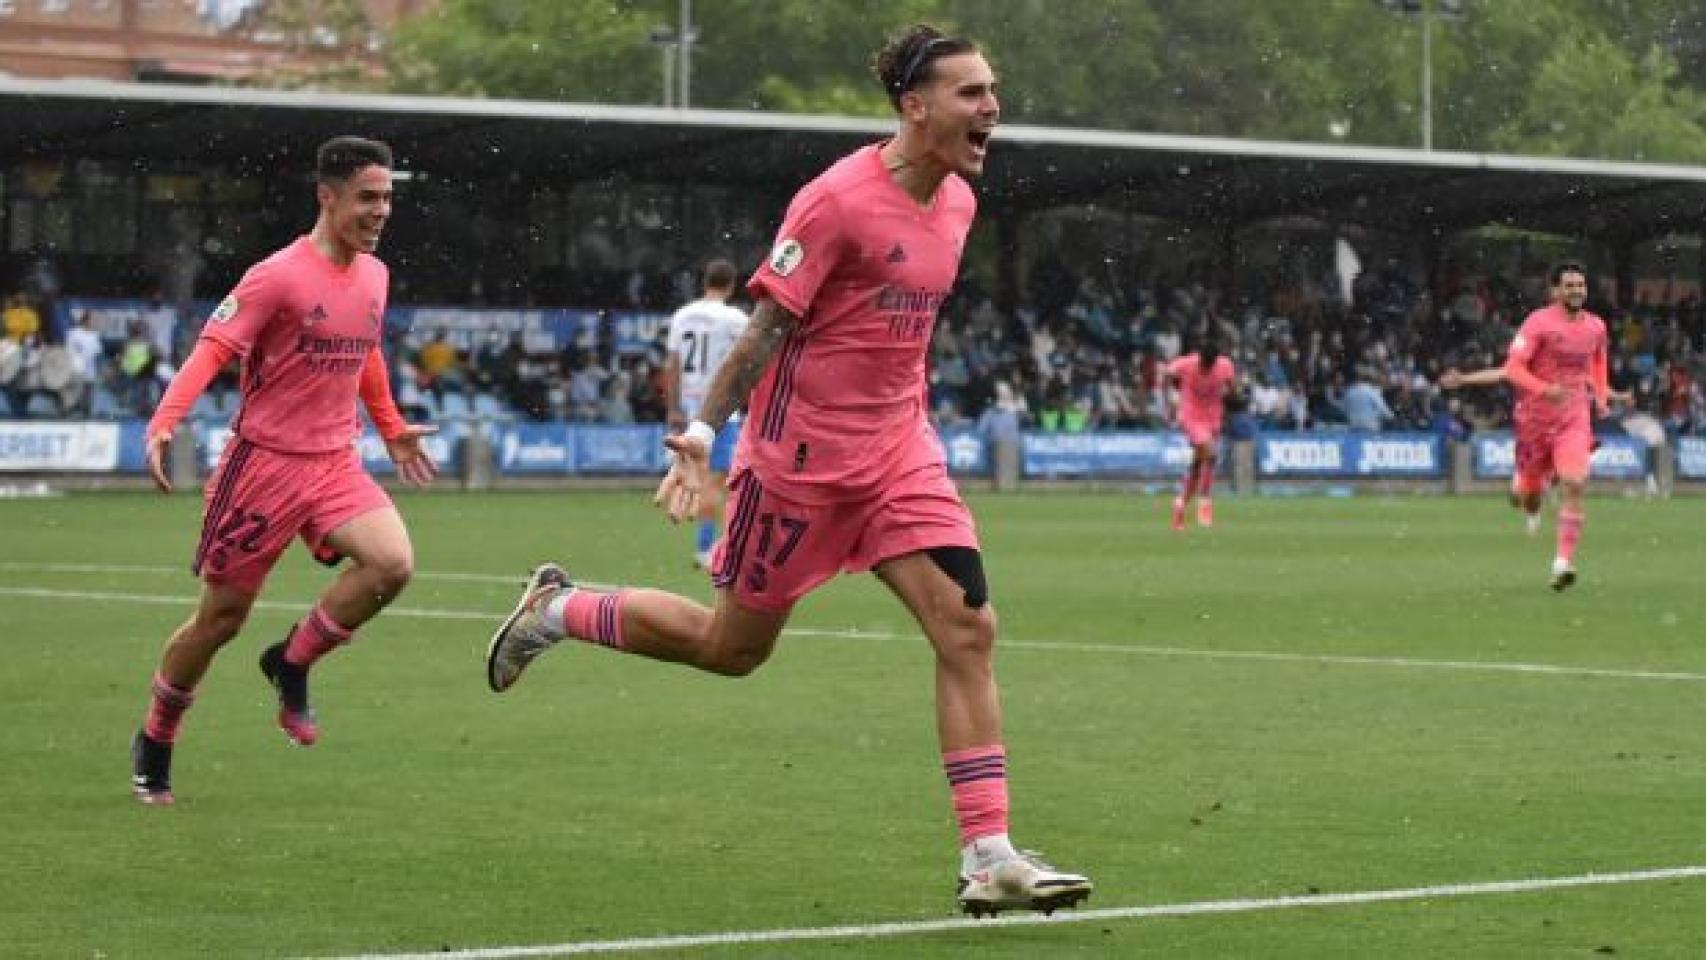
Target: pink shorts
<point x="258" y="500"/>
<point x="775" y="551"/>
<point x="1545" y="451"/>
<point x="1199" y="432"/>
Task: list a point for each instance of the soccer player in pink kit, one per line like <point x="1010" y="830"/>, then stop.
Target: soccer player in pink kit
<point x="1205" y="379"/>
<point x="306" y="323"/>
<point x="1528" y="502"/>
<point x="838" y="468"/>
<point x="1556" y="361"/>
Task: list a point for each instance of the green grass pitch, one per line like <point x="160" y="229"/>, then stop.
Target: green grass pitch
<point x="1300" y="701"/>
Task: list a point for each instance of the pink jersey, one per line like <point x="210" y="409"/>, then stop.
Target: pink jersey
<point x="1201" y="392"/>
<point x="303" y="326"/>
<point x="864" y="267"/>
<point x="1559" y="350"/>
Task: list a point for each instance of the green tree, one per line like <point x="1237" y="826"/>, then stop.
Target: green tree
<point x="1620" y="109"/>
<point x="1096" y="67"/>
<point x="1600" y="78"/>
<point x="1347" y="71"/>
<point x="798" y="57"/>
<point x="332" y="44"/>
<point x="574" y="50"/>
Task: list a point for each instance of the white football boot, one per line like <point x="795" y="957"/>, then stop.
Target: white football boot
<point x="1022" y="882"/>
<point x="525" y="635"/>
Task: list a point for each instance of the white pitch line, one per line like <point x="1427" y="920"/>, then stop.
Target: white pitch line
<point x="23" y="567"/>
<point x="1418" y="663"/>
<point x="912" y="928"/>
<point x="1413" y="663"/>
<point x="44" y="593"/>
<point x="1494" y="666"/>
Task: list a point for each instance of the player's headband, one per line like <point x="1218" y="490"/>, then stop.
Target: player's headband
<point x="917" y="61"/>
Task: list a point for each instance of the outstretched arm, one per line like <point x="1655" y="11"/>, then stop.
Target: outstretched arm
<point x="1484" y="377"/>
<point x="679" y="492"/>
<point x="402" y="440"/>
<point x="204" y="363"/>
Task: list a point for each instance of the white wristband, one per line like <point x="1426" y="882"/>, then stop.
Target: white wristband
<point x="701" y="431"/>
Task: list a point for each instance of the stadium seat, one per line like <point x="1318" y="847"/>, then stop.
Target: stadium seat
<point x="488" y="407"/>
<point x="41" y="405"/>
<point x="104" y="405"/>
<point x="454" y="406"/>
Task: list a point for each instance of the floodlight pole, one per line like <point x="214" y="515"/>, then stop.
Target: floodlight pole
<point x="685" y="35"/>
<point x="664" y="39"/>
<point x="669" y="73"/>
<point x="1427" y="74"/>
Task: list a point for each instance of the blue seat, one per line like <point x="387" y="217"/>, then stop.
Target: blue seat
<point x="488" y="407"/>
<point x="104" y="405"/>
<point x="454" y="406"/>
<point x="42" y="405"/>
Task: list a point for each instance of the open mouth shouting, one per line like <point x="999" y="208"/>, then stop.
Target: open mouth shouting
<point x="979" y="143"/>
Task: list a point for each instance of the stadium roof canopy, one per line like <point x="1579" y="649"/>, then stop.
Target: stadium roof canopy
<point x="1207" y="180"/>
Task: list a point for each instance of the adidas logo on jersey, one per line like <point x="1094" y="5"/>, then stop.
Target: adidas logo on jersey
<point x="898" y="254"/>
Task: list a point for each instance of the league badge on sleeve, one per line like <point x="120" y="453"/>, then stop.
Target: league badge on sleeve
<point x="788" y="254"/>
<point x="226" y="310"/>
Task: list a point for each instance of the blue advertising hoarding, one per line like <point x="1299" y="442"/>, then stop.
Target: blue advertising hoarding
<point x="1050" y="455"/>
<point x="533" y="449"/>
<point x="966" y="452"/>
<point x="1691" y="458"/>
<point x="620" y="449"/>
<point x="1618" y="457"/>
<point x="1350" y="455"/>
<point x="28" y="446"/>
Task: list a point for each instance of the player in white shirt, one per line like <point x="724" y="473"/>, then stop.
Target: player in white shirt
<point x="700" y="335"/>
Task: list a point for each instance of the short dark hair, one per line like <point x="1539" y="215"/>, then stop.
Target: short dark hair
<point x="1556" y="274"/>
<point x="339" y="158"/>
<point x="1209" y="347"/>
<point x="906" y="61"/>
<point x="719" y="274"/>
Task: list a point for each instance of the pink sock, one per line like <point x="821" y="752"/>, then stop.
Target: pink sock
<point x="166" y="710"/>
<point x="1188" y="484"/>
<point x="978" y="779"/>
<point x="315" y="636"/>
<point x="594" y="617"/>
<point x="1569" y="532"/>
<point x="1205" y="482"/>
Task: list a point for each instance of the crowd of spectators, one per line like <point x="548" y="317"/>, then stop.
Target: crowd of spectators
<point x="1078" y="354"/>
<point x="1307" y="358"/>
<point x="500" y="377"/>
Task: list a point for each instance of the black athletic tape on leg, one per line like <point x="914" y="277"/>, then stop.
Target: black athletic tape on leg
<point x="964" y="566"/>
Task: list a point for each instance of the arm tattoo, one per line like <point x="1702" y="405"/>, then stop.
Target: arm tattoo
<point x="746" y="362"/>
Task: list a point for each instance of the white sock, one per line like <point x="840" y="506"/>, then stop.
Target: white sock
<point x="554" y="613"/>
<point x="984" y="851"/>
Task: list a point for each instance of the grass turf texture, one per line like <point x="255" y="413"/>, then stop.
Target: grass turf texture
<point x="608" y="797"/>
